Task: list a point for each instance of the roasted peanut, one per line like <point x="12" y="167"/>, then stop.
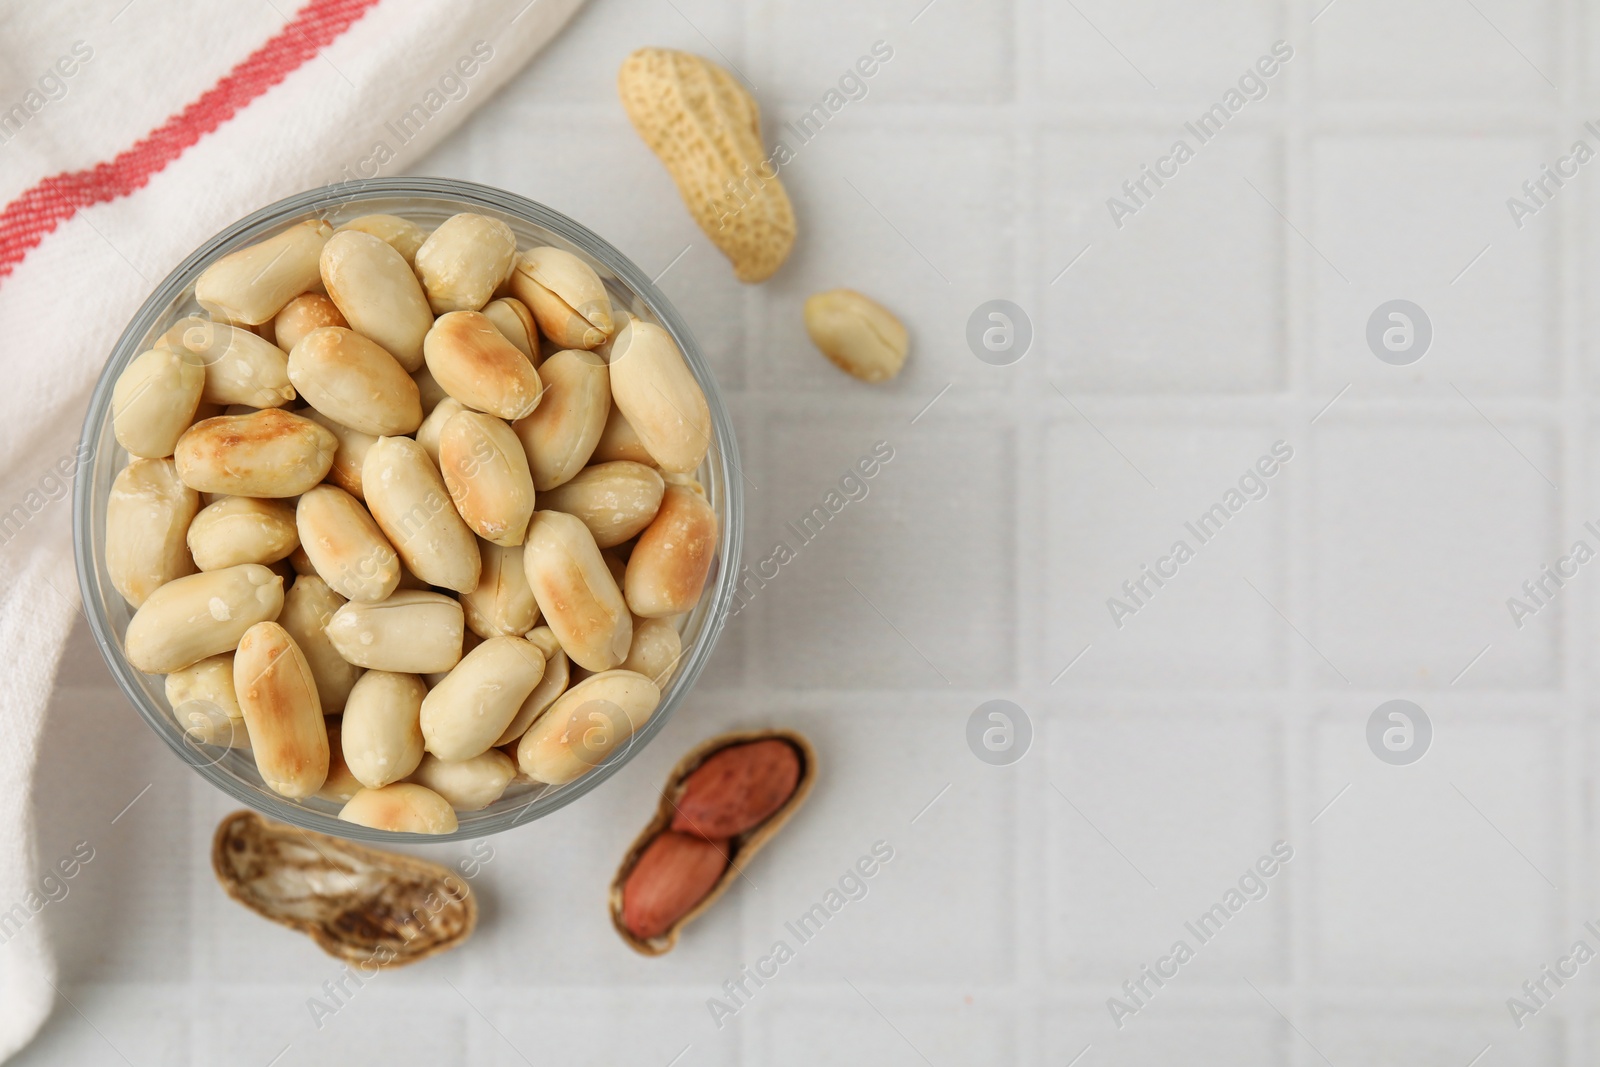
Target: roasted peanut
<point x="300" y="563"/>
<point x="706" y="129"/>
<point x="348" y="455"/>
<point x="308" y="607"/>
<point x="486" y="473"/>
<point x="552" y="685"/>
<point x="281" y="710"/>
<point x="859" y="335"/>
<point x="147" y="518"/>
<point x="566" y="296"/>
<point x="469" y="641"/>
<point x="655" y="652"/>
<point x="200" y="615"/>
<point x="270" y="453"/>
<point x="209" y="682"/>
<point x="355" y="382"/>
<point x="432" y="426"/>
<point x="513" y="319"/>
<point x="502" y="605"/>
<point x="346" y="546"/>
<point x="479" y="367"/>
<point x="251" y="285"/>
<point x="576" y="593"/>
<point x="306" y="312"/>
<point x="412" y="632"/>
<point x="464" y="714"/>
<point x="658" y="394"/>
<point x="380" y="735"/>
<point x="619" y="440"/>
<point x="668" y="566"/>
<point x="428" y="390"/>
<point x="671" y="876"/>
<point x="617" y="564"/>
<point x="340" y="784"/>
<point x="687" y="481"/>
<point x="470" y="784"/>
<point x="411" y="581"/>
<point x="240" y="367"/>
<point x="560" y="434"/>
<point x="376" y="292"/>
<point x="585" y="724"/>
<point x="204" y="703"/>
<point x="403" y="235"/>
<point x="403" y="807"/>
<point x="154" y="401"/>
<point x="614" y="500"/>
<point x="205" y="723"/>
<point x="242" y="529"/>
<point x="409" y="500"/>
<point x="464" y="261"/>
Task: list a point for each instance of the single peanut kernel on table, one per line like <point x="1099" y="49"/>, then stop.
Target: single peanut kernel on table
<point x="736" y="789"/>
<point x="860" y="335"/>
<point x="671" y="876"/>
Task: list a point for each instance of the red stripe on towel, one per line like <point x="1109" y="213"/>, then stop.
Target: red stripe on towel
<point x="37" y="212"/>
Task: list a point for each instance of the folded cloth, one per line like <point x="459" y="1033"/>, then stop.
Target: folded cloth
<point x="130" y="132"/>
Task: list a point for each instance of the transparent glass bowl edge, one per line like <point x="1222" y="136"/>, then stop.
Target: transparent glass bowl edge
<point x="103" y="458"/>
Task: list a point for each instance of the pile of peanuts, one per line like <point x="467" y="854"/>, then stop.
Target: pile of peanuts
<point x="328" y="530"/>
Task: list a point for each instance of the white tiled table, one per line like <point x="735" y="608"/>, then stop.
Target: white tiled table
<point x="1226" y="715"/>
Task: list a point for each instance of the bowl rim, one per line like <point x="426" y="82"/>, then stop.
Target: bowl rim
<point x="724" y="461"/>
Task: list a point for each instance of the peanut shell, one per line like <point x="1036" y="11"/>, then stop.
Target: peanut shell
<point x="706" y="129"/>
<point x="741" y="849"/>
<point x="361" y="905"/>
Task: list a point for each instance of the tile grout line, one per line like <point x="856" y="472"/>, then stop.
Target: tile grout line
<point x="1294" y="738"/>
<point x="1331" y="116"/>
<point x="1030" y="972"/>
<point x="1573" y="669"/>
<point x="1441" y="405"/>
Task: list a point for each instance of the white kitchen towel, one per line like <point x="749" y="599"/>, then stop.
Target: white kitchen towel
<point x="130" y="131"/>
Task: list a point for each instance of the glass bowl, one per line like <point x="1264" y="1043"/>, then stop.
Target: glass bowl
<point x="427" y="201"/>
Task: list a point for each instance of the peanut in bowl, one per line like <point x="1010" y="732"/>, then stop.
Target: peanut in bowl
<point x="409" y="545"/>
